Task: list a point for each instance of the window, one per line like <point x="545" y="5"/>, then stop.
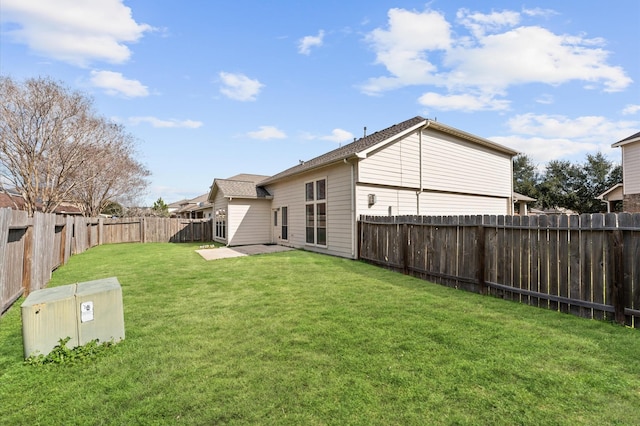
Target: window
<point x="284" y="219"/>
<point x="221" y="223"/>
<point x="316" y="212"/>
<point x="275" y="218"/>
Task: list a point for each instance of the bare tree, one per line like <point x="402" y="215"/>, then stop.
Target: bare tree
<point x="110" y="172"/>
<point x="54" y="148"/>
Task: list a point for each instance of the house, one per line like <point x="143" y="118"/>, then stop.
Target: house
<point x="241" y="209"/>
<point x="195" y="208"/>
<point x="630" y="172"/>
<point x="612" y="197"/>
<point x="417" y="167"/>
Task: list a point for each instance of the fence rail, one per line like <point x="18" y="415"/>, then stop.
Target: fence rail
<point x="587" y="265"/>
<point x="32" y="247"/>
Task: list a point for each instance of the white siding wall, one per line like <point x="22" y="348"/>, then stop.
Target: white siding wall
<point x="631" y="168"/>
<point x="405" y="202"/>
<point x="249" y="222"/>
<point x="291" y="193"/>
<point x="397" y="164"/>
<point x="463" y="167"/>
<point x="402" y="202"/>
<point x="437" y="204"/>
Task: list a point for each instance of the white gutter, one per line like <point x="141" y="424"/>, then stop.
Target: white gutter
<point x="421" y="168"/>
<point x="354" y="240"/>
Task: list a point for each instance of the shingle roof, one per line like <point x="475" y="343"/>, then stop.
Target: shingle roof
<point x="242" y="188"/>
<point x="347" y="151"/>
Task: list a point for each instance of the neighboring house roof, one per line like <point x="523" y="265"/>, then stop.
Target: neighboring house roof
<point x="198" y="203"/>
<point x="630" y="139"/>
<point x="360" y="147"/>
<point x="176" y="205"/>
<point x="611" y="195"/>
<point x="8" y="201"/>
<point x="521" y="197"/>
<point x="239" y="186"/>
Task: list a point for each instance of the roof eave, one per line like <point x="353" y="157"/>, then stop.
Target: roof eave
<point x="340" y="159"/>
<point x="365" y="152"/>
<point x="472" y="138"/>
<point x="625" y="142"/>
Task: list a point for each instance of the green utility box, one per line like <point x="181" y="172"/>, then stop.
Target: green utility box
<point x="84" y="312"/>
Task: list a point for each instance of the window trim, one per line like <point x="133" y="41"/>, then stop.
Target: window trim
<point x="220" y="222"/>
<point x="315" y="202"/>
<point x="284" y="223"/>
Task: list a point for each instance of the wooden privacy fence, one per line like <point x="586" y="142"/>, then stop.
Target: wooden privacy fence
<point x="587" y="265"/>
<point x="32" y="247"/>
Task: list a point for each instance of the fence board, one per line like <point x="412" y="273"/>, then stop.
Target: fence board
<point x="577" y="266"/>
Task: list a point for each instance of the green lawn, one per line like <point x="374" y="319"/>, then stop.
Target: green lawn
<point x="305" y="339"/>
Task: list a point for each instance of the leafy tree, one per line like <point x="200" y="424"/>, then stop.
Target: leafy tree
<point x="525" y="176"/>
<point x="576" y="186"/>
<point x="113" y="209"/>
<point x="559" y="184"/>
<point x="598" y="175"/>
<point x="160" y="208"/>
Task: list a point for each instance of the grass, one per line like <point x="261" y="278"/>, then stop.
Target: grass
<point x="301" y="338"/>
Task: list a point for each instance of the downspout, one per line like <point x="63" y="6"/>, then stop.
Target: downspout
<point x="421" y="190"/>
<point x="353" y="210"/>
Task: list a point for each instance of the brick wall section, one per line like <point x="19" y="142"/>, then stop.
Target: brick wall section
<point x="631" y="203"/>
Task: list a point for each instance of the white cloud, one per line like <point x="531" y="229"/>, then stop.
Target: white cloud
<point x="531" y="55"/>
<point x="403" y="48"/>
<point x="239" y="87"/>
<point x="545" y="99"/>
<point x="552" y="137"/>
<point x="480" y="23"/>
<point x="338" y="135"/>
<point x="463" y="102"/>
<point x="631" y="109"/>
<point x="488" y="54"/>
<point x="74" y="31"/>
<point x="306" y="43"/>
<point x="542" y="150"/>
<point x="171" y="123"/>
<point x="267" y="132"/>
<point x="114" y="83"/>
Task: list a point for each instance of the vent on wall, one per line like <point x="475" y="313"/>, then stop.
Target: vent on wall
<point x="372" y="199"/>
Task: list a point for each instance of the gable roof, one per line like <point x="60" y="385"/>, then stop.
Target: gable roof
<point x="239" y="186"/>
<point x="360" y="147"/>
<point x="630" y="139"/>
<point x="605" y="194"/>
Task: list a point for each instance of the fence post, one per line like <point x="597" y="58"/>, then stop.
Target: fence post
<point x="405" y="248"/>
<point x="480" y="246"/>
<point x="100" y="230"/>
<point x="27" y="259"/>
<point x="5" y="223"/>
<point x="617" y="286"/>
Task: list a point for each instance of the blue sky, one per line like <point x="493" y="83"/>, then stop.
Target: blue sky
<point x="213" y="89"/>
